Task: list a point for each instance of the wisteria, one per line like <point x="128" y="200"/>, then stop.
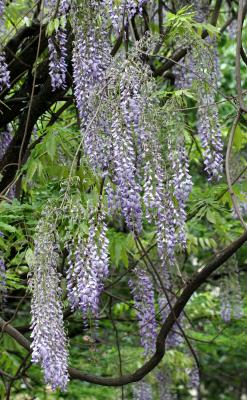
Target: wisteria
<point x="3" y="283"/>
<point x="143" y="294"/>
<point x="5" y="139"/>
<point x="88" y="267"/>
<point x="49" y="346"/>
<point x="57" y="46"/>
<point x="4" y="73"/>
<point x="202" y="73"/>
<point x="142" y="391"/>
<point x="120" y="12"/>
<point x="175" y="337"/>
<point x="57" y="58"/>
<point x="194" y="378"/>
<point x="164" y="385"/>
<point x="91" y="56"/>
<point x="2" y="5"/>
<point x="230" y="292"/>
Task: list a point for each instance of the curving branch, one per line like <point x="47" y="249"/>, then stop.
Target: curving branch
<point x="196" y="281"/>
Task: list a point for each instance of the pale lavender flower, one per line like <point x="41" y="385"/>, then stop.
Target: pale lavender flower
<point x="57" y="59"/>
<point x="49" y="345"/>
<point x="2" y="6"/>
<point x="88" y="267"/>
<point x="194" y="378"/>
<point x="143" y="294"/>
<point x="4" y="73"/>
<point x="5" y="139"/>
<point x="2" y="279"/>
<point x="174" y="337"/>
<point x="142" y="391"/>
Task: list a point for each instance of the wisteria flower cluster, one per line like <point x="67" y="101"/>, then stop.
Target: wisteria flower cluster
<point x="199" y="70"/>
<point x="49" y="346"/>
<point x="57" y="46"/>
<point x="4" y="72"/>
<point x="120" y="12"/>
<point x="231" y="305"/>
<point x="143" y="294"/>
<point x="2" y="280"/>
<point x="88" y="267"/>
<point x="142" y="391"/>
<point x="5" y="139"/>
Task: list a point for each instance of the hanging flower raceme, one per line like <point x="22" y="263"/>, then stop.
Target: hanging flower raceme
<point x="4" y="73"/>
<point x="91" y="57"/>
<point x="3" y="285"/>
<point x="5" y="139"/>
<point x="2" y="6"/>
<point x="142" y="391"/>
<point x="57" y="59"/>
<point x="143" y="293"/>
<point x="121" y="11"/>
<point x="88" y="267"/>
<point x="174" y="337"/>
<point x="231" y="304"/>
<point x="57" y="46"/>
<point x="210" y="135"/>
<point x="164" y="386"/>
<point x="182" y="185"/>
<point x="199" y="71"/>
<point x="49" y="346"/>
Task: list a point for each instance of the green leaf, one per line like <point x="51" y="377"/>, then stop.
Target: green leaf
<point x="210" y="217"/>
<point x="7" y="227"/>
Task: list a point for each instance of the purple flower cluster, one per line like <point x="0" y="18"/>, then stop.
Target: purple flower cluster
<point x="49" y="346"/>
<point x="90" y="60"/>
<point x="88" y="267"/>
<point x="57" y="59"/>
<point x="5" y="139"/>
<point x="57" y="46"/>
<point x="210" y="134"/>
<point x="2" y="6"/>
<point x="142" y="391"/>
<point x="174" y="338"/>
<point x="121" y="11"/>
<point x="182" y="185"/>
<point x="143" y="294"/>
<point x="194" y="378"/>
<point x="4" y="73"/>
<point x="127" y="188"/>
<point x="201" y="66"/>
<point x="2" y="279"/>
<point x="231" y="304"/>
<point x="164" y="386"/>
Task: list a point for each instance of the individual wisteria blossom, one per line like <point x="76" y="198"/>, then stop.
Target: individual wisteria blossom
<point x="88" y="267"/>
<point x="231" y="304"/>
<point x="142" y="391"/>
<point x="4" y="72"/>
<point x="143" y="294"/>
<point x="49" y="345"/>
